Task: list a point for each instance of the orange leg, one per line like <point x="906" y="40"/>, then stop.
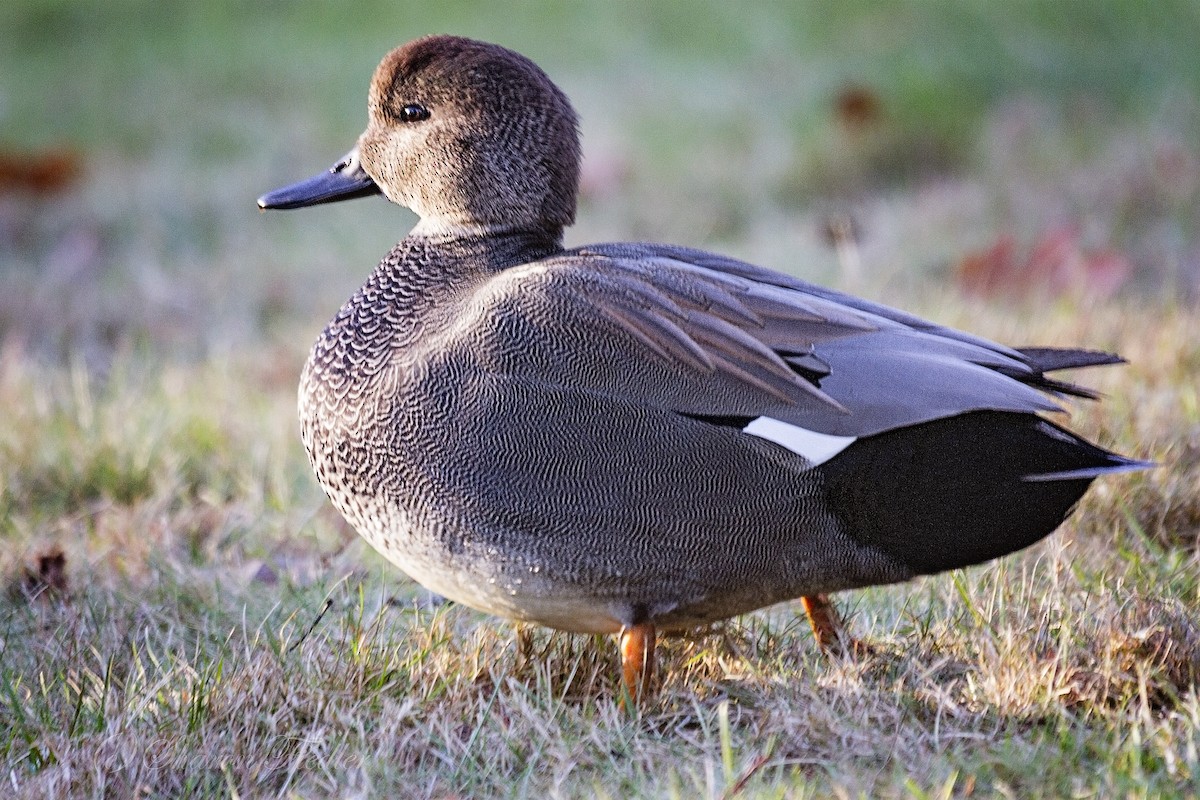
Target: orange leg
<point x="637" y="660"/>
<point x="827" y="625"/>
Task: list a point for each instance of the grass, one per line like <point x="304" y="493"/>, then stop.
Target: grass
<point x="183" y="613"/>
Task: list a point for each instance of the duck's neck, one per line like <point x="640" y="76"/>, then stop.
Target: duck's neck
<point x="441" y="255"/>
<point x="419" y="284"/>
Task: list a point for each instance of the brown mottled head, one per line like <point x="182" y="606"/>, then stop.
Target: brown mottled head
<point x="469" y="134"/>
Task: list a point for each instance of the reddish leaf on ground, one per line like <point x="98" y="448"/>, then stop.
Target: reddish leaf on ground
<point x="1056" y="263"/>
<point x="41" y="172"/>
<point x="857" y="106"/>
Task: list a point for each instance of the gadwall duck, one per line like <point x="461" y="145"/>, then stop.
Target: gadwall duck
<point x="628" y="438"/>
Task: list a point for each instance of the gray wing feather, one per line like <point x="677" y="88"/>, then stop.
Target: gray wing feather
<point x="681" y="330"/>
<point x="660" y="334"/>
<point x="733" y="266"/>
<point x="909" y="385"/>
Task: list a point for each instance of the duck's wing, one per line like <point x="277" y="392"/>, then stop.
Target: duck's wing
<point x="1026" y="364"/>
<point x="717" y="339"/>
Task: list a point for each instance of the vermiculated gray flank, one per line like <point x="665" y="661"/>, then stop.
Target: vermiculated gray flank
<point x="626" y="433"/>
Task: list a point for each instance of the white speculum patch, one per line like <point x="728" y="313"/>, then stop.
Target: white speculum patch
<point x="811" y="445"/>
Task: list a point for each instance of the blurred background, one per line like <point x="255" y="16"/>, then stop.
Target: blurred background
<point x="1006" y="151"/>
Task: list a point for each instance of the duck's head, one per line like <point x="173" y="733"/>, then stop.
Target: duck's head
<point x="471" y="136"/>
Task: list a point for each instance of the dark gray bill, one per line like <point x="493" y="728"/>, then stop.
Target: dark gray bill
<point x="345" y="180"/>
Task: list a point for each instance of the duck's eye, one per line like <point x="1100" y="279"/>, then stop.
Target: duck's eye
<point x="414" y="112"/>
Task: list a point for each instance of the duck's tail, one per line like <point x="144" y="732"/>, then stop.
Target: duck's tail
<point x="1052" y="359"/>
<point x="964" y="489"/>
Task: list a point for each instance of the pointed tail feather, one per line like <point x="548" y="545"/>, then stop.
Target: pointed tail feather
<point x="1050" y="359"/>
